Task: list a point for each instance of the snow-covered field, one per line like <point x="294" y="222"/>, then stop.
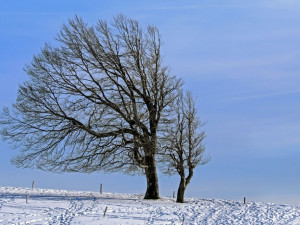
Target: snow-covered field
<point x="46" y="206"/>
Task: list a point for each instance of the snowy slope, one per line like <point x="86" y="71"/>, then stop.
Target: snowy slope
<point x="74" y="207"/>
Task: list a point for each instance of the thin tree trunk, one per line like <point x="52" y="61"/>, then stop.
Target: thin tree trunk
<point x="152" y="180"/>
<point x="181" y="190"/>
<point x="183" y="184"/>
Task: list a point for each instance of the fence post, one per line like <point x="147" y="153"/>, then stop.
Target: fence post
<point x="105" y="211"/>
<point x="173" y="194"/>
<point x="32" y="184"/>
<point x="100" y="188"/>
<point x="26" y="198"/>
<point x="244" y="200"/>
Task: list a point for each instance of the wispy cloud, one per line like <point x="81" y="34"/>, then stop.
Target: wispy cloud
<point x="248" y="62"/>
<point x="179" y="7"/>
<point x="282" y="4"/>
<point x="261" y="96"/>
<point x="34" y="13"/>
<point x="263" y="35"/>
<point x="271" y="66"/>
<point x="275" y="4"/>
<point x="205" y="5"/>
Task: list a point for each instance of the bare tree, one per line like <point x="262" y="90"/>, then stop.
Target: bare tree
<point x="94" y="101"/>
<point x="184" y="148"/>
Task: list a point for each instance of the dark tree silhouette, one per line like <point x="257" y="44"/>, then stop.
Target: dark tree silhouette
<point x="94" y="101"/>
<point x="183" y="143"/>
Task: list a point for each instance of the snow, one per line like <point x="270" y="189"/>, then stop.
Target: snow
<point x="48" y="206"/>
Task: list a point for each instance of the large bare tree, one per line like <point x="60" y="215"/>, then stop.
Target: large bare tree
<point x="183" y="143"/>
<point x="94" y="101"/>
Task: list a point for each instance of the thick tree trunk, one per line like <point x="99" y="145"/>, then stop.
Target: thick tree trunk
<point x="181" y="190"/>
<point x="152" y="180"/>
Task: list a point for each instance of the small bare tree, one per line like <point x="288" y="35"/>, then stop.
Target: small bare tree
<point x="183" y="143"/>
<point x="94" y="102"/>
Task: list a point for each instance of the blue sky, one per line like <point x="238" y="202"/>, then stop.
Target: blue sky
<point x="240" y="58"/>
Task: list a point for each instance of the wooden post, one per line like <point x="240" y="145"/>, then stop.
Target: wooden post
<point x="32" y="184"/>
<point x="244" y="200"/>
<point x="173" y="194"/>
<point x="27" y="199"/>
<point x="100" y="188"/>
<point x="105" y="211"/>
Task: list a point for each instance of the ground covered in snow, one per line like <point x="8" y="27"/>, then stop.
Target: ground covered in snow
<point x="46" y="206"/>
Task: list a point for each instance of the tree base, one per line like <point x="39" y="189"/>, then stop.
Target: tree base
<point x="152" y="195"/>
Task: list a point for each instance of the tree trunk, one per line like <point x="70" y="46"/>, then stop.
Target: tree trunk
<point x="181" y="190"/>
<point x="152" y="180"/>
